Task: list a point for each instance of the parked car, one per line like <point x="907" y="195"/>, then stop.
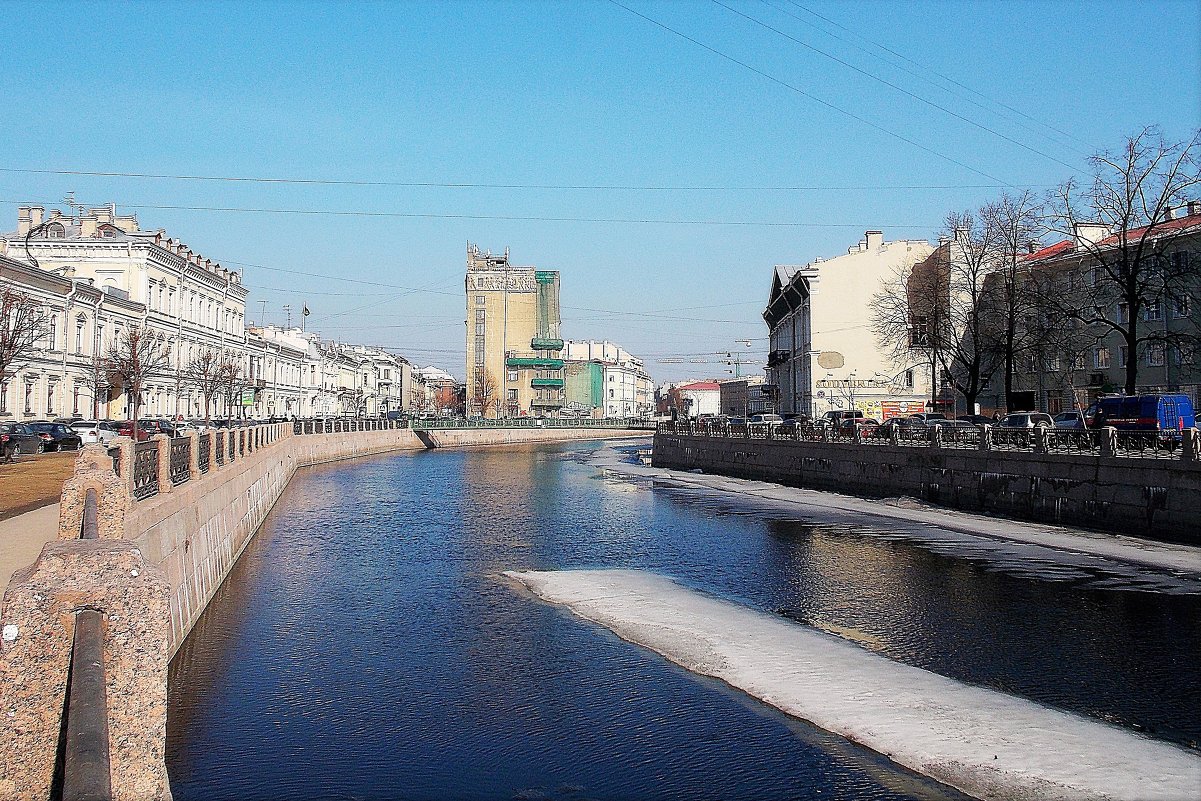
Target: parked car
<point x="1026" y="420"/>
<point x="1167" y="414"/>
<point x="926" y="417"/>
<point x="795" y="423"/>
<point x="901" y="424"/>
<point x="1071" y="421"/>
<point x="847" y="425"/>
<point x="770" y="420"/>
<point x="16" y="439"/>
<point x="55" y="436"/>
<point x="977" y="419"/>
<point x="96" y="431"/>
<point x="955" y="425"/>
<point x="125" y="429"/>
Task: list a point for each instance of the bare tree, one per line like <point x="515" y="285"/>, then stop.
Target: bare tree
<point x="23" y="322"/>
<point x="98" y="380"/>
<point x="230" y="383"/>
<point x="484" y="393"/>
<point x="910" y="315"/>
<point x="134" y="356"/>
<point x="419" y="401"/>
<point x="448" y="399"/>
<point x="1120" y="221"/>
<point x="205" y="374"/>
<point x="1014" y="223"/>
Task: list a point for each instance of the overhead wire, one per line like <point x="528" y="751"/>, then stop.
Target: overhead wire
<point x="892" y="85"/>
<point x="815" y="98"/>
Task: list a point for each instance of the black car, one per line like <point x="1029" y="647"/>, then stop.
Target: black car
<point x="55" y="436"/>
<point x="16" y="439"/>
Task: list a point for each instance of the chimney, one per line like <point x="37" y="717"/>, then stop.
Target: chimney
<point x="1168" y="213"/>
<point x="36" y="215"/>
<point x="944" y="240"/>
<point x="875" y="239"/>
<point x="23" y="224"/>
<point x="1194" y="207"/>
<point x="1088" y="234"/>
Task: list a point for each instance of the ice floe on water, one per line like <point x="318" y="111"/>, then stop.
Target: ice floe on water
<point x="986" y="743"/>
<point x="1028" y="550"/>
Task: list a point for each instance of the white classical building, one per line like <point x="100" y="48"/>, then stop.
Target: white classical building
<point x="625" y="390"/>
<point x="823" y="352"/>
<point x="97" y="273"/>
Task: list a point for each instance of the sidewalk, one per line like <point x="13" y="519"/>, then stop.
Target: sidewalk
<point x="22" y="538"/>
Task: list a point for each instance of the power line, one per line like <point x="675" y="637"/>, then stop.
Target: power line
<point x="814" y="98"/>
<point x="503" y="218"/>
<point x="947" y="78"/>
<point x="465" y="185"/>
<point x="892" y="85"/>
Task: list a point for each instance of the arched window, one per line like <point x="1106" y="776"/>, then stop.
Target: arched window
<point x="55" y="231"/>
<point x="80" y="322"/>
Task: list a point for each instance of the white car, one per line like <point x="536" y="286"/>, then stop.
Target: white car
<point x="92" y="432"/>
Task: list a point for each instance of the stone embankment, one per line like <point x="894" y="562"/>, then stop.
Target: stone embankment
<point x="1140" y="494"/>
<point x="171" y="518"/>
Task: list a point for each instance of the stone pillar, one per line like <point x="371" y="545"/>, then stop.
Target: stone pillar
<point x="109" y="576"/>
<point x="94" y="471"/>
<point x="985" y="438"/>
<point x="894" y="436"/>
<point x="126" y="445"/>
<point x="1040" y="439"/>
<point x="212" y="432"/>
<point x="1107" y="439"/>
<point x="1190" y="450"/>
<point x="857" y="434"/>
<point x="164" y="462"/>
<point x="935" y="436"/>
<point x="194" y="467"/>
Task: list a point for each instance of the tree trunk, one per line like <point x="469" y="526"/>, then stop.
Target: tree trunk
<point x="1132" y="353"/>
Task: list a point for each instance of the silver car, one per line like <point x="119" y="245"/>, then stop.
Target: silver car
<point x="1026" y="420"/>
<point x="94" y="432"/>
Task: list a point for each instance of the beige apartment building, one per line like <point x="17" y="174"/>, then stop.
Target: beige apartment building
<point x="514" y="351"/>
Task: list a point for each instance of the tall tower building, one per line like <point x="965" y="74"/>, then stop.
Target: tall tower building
<point x="514" y="359"/>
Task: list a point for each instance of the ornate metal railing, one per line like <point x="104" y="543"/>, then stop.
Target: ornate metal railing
<point x="145" y="470"/>
<point x="205" y="443"/>
<point x="1147" y="444"/>
<point x="241" y="442"/>
<point x="231" y="442"/>
<point x="1012" y="439"/>
<point x="1068" y="441"/>
<point x="181" y="460"/>
<point x="219" y="451"/>
<point x="961" y="437"/>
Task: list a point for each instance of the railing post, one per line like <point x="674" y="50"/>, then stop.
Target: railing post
<point x="1108" y="440"/>
<point x="163" y="444"/>
<point x="936" y="436"/>
<point x="1040" y="439"/>
<point x="194" y="462"/>
<point x="985" y="437"/>
<point x="1189" y="445"/>
<point x="894" y="436"/>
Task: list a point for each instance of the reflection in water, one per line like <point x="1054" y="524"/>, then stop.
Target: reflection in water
<point x="364" y="647"/>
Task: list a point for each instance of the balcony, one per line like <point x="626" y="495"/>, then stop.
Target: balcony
<point x="544" y="343"/>
<point x="547" y="403"/>
<point x="260" y="383"/>
<point x="546" y="382"/>
<point x="538" y="362"/>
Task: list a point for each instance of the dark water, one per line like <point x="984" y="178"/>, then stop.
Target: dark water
<point x="364" y="646"/>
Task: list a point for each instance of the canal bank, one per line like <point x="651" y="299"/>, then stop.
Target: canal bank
<point x="290" y="683"/>
<point x="170" y="551"/>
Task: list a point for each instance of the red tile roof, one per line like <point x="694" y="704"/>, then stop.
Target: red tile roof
<point x="697" y="385"/>
<point x="1068" y="246"/>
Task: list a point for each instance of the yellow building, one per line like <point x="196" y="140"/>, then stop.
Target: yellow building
<point x="514" y="359"/>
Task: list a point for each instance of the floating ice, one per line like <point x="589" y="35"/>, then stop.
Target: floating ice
<point x="986" y="743"/>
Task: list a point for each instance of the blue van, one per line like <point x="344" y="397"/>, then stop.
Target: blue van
<point x="1167" y="414"/>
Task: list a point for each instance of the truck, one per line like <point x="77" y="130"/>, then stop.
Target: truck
<point x="1167" y="415"/>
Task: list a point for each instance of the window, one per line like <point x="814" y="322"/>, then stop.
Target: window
<point x="28" y="397"/>
<point x="611" y="391"/>
<point x="1053" y="364"/>
<point x="99" y="338"/>
<point x="4" y="398"/>
<point x="55" y="231"/>
<point x="50" y="397"/>
<point x="479" y="315"/>
<point x="1123" y="355"/>
<point x="909" y="379"/>
<point x="1155" y="354"/>
<point x="75" y="399"/>
<point x="1177" y="358"/>
<point x="53" y="331"/>
<point x="512" y="375"/>
<point x="1030" y="363"/>
<point x="1123" y="313"/>
<point x="479" y="329"/>
<point x="1101" y="358"/>
<point x="479" y="300"/>
<point x="79" y="334"/>
<point x="1181" y="306"/>
<point x="1153" y="311"/>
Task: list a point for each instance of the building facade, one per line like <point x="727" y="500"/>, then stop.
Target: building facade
<point x="514" y="351"/>
<point x="604" y="380"/>
<point x="823" y="353"/>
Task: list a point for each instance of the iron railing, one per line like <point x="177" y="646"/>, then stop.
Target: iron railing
<point x="205" y="443"/>
<point x="145" y="470"/>
<point x="181" y="460"/>
<point x="220" y="449"/>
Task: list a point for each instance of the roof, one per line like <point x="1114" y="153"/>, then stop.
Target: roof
<point x="1069" y="246"/>
<point x="699" y="386"/>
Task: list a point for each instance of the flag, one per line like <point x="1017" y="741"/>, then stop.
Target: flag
<point x="306" y="310"/>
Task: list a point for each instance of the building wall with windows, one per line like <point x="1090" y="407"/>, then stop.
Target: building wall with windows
<point x="513" y="335"/>
<point x="59" y="377"/>
<point x="823" y="353"/>
<point x="625" y="388"/>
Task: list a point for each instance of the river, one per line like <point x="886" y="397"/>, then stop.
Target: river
<point x="366" y="647"/>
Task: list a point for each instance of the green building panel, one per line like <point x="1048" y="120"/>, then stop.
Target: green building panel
<point x="584" y="385"/>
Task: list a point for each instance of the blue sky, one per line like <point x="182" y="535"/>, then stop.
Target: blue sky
<point x="572" y="94"/>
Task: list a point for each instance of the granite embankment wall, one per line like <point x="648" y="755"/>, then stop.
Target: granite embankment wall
<point x="194" y="532"/>
<point x="1159" y="498"/>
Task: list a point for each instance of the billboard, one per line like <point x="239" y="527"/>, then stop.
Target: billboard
<point x="247" y="397"/>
